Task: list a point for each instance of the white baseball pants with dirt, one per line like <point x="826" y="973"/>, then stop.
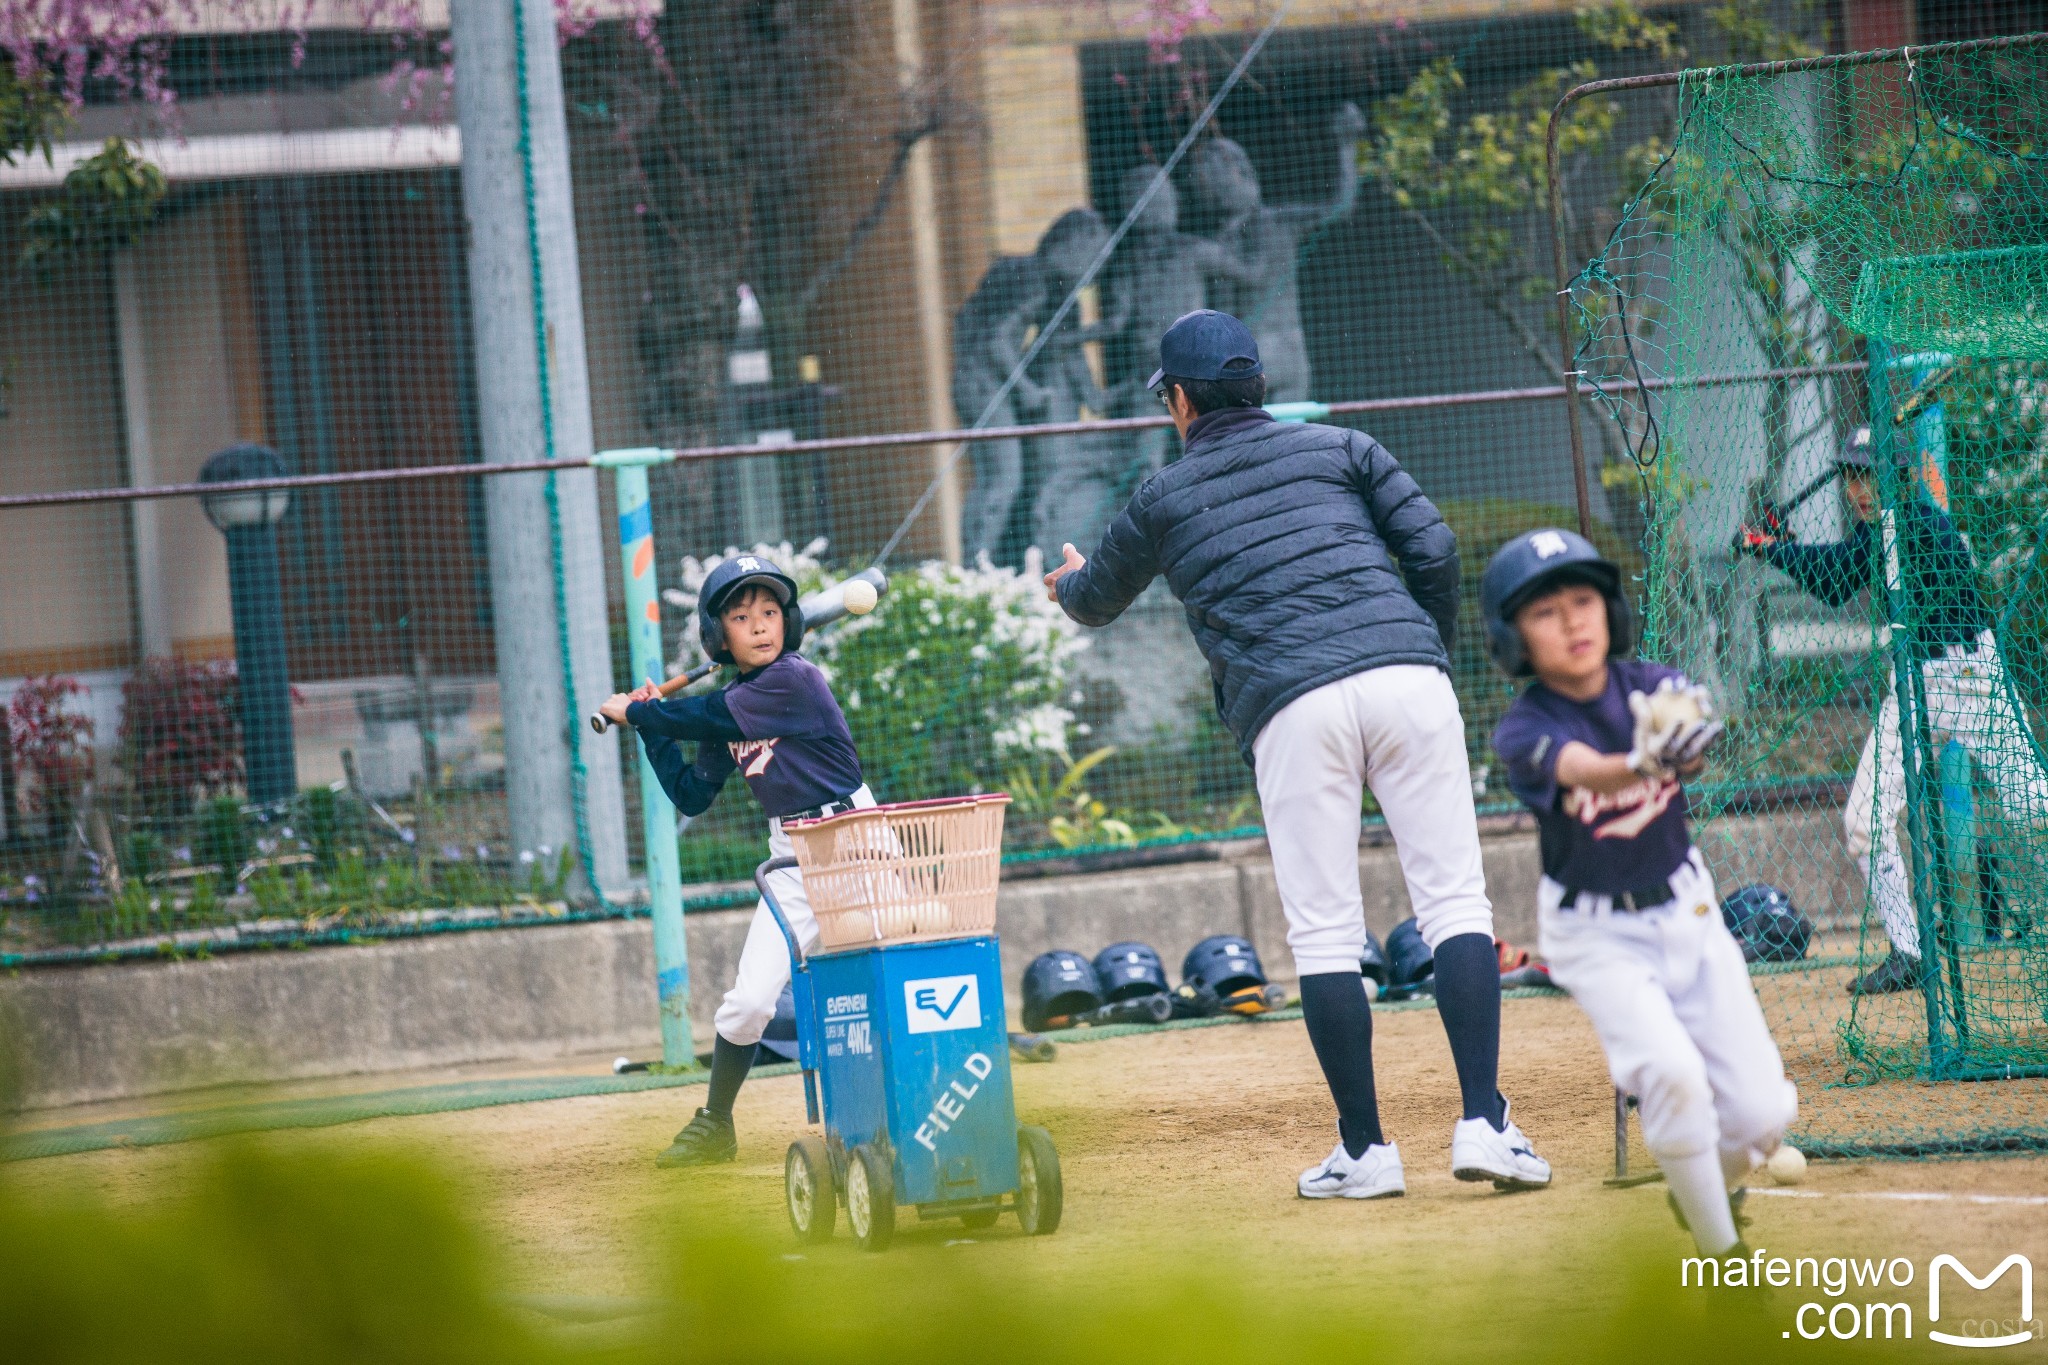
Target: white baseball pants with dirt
<point x="1970" y="700"/>
<point x="1396" y="730"/>
<point x="1668" y="993"/>
<point x="764" y="962"/>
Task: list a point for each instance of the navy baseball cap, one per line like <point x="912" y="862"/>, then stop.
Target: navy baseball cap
<point x="1206" y="344"/>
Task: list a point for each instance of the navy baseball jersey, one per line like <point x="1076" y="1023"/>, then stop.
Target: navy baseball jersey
<point x="1592" y="841"/>
<point x="779" y="727"/>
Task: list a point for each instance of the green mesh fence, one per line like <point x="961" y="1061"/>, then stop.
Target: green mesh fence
<point x="788" y="224"/>
<point x="1875" y="234"/>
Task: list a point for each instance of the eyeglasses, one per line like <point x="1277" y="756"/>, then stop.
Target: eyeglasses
<point x="1166" y="397"/>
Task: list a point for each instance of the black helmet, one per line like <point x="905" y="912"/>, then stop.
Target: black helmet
<point x="1541" y="559"/>
<point x="1126" y="971"/>
<point x="1766" y="923"/>
<point x="1856" y="452"/>
<point x="1058" y="985"/>
<point x="1372" y="963"/>
<point x="1224" y="963"/>
<point x="728" y="578"/>
<point x="1409" y="959"/>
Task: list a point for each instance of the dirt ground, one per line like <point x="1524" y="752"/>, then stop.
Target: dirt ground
<point x="1173" y="1145"/>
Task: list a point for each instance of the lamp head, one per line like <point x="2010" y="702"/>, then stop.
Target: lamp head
<point x="261" y="507"/>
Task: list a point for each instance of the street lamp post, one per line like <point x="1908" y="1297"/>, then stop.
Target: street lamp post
<point x="249" y="521"/>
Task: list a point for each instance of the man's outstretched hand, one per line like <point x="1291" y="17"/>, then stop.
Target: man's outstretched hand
<point x="1074" y="560"/>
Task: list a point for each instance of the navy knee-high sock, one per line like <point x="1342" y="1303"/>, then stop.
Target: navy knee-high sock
<point x="730" y="1064"/>
<point x="1339" y="1020"/>
<point x="1468" y="998"/>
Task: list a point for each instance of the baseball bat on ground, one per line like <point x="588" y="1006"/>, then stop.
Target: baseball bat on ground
<point x="819" y="609"/>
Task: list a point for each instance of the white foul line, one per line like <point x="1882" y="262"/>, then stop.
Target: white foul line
<point x="1907" y="1196"/>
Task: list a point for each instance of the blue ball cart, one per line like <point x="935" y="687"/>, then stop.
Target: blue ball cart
<point x="901" y="1028"/>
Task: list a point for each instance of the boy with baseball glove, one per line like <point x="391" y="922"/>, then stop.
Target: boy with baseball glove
<point x="1599" y="747"/>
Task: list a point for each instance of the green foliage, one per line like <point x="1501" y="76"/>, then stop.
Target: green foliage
<point x="108" y="200"/>
<point x="1072" y="816"/>
<point x="223" y="836"/>
<point x="330" y="1257"/>
<point x="321" y="1251"/>
<point x="320" y="816"/>
<point x="32" y="114"/>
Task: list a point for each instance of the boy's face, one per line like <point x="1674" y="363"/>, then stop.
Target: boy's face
<point x="1861" y="492"/>
<point x="1565" y="632"/>
<point x="753" y="627"/>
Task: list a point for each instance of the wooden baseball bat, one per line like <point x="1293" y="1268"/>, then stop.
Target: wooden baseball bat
<point x="819" y="609"/>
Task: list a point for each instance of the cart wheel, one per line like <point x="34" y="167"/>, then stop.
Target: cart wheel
<point x="807" y="1186"/>
<point x="980" y="1218"/>
<point x="1040" y="1195"/>
<point x="870" y="1198"/>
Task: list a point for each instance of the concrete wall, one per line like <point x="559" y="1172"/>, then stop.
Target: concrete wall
<point x="106" y="1032"/>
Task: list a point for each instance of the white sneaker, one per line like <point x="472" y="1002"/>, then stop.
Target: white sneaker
<point x="1376" y="1174"/>
<point x="1505" y="1157"/>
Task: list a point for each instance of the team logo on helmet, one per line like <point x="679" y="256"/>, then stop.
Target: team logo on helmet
<point x="1548" y="544"/>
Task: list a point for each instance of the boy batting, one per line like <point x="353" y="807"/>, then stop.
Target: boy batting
<point x="780" y="727"/>
<point x="1963" y="677"/>
<point x="1322" y="587"/>
<point x="1598" y="747"/>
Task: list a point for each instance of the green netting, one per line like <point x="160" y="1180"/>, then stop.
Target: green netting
<point x="1867" y="242"/>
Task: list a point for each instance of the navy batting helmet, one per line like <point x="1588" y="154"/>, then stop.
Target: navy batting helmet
<point x="1126" y="971"/>
<point x="1856" y="452"/>
<point x="1373" y="962"/>
<point x="779" y="1038"/>
<point x="1409" y="959"/>
<point x="1766" y="923"/>
<point x="1058" y="985"/>
<point x="1224" y="963"/>
<point x="728" y="578"/>
<point x="1530" y="564"/>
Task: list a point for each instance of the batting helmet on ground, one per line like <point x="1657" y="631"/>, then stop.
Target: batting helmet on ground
<point x="1409" y="959"/>
<point x="1532" y="563"/>
<point x="1766" y="923"/>
<point x="1224" y="964"/>
<point x="728" y="578"/>
<point x="1058" y="985"/>
<point x="1372" y="964"/>
<point x="779" y="1038"/>
<point x="1126" y="971"/>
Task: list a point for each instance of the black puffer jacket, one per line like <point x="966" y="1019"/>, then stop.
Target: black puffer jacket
<point x="1302" y="553"/>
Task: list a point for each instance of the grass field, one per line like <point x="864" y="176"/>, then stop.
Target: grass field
<point x="1180" y="1151"/>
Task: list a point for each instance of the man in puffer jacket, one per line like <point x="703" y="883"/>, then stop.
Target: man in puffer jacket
<point x="1322" y="587"/>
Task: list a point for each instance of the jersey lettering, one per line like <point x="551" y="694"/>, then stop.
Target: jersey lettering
<point x="754" y="755"/>
<point x="1643" y="802"/>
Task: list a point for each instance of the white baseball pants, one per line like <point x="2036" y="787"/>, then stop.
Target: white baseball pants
<point x="764" y="961"/>
<point x="1398" y="731"/>
<point x="1968" y="700"/>
<point x="1668" y="993"/>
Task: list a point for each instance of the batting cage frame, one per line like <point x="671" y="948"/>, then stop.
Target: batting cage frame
<point x="1873" y="1081"/>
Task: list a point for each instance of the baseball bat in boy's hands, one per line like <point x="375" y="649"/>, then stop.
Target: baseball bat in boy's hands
<point x="855" y="596"/>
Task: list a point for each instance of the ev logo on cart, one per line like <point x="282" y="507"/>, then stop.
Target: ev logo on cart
<point x="939" y="1004"/>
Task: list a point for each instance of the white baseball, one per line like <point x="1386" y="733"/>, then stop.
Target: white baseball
<point x="1787" y="1165"/>
<point x="860" y="596"/>
<point x="619" y="1065"/>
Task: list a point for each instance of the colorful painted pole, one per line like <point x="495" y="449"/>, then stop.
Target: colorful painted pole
<point x="643" y="635"/>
